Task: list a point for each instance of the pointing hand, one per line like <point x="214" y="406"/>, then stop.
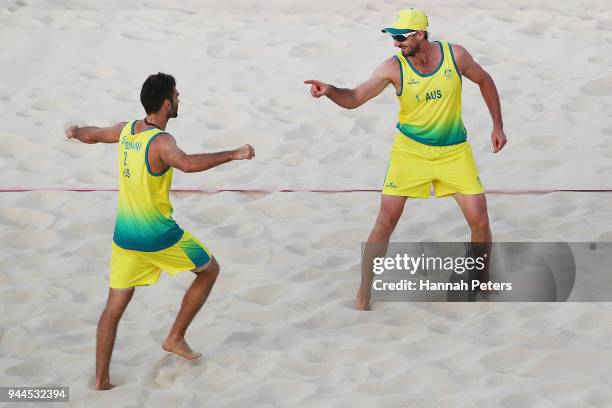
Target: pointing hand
<point x="317" y="88"/>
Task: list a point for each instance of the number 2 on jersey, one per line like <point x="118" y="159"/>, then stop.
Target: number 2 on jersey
<point x="126" y="171"/>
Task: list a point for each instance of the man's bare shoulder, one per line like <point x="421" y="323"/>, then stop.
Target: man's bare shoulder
<point x="119" y="126"/>
<point x="463" y="58"/>
<point x="162" y="141"/>
<point x="389" y="69"/>
<point x="459" y="52"/>
<point x="165" y="137"/>
<point x="392" y="64"/>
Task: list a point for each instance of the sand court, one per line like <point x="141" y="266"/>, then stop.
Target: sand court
<point x="279" y="328"/>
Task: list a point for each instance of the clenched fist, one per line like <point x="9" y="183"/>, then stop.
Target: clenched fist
<point x="71" y="132"/>
<point x="245" y="152"/>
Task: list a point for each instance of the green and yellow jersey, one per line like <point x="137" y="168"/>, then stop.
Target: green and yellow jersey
<point x="430" y="104"/>
<point x="144" y="215"/>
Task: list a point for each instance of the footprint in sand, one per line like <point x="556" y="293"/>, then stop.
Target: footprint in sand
<point x="290" y="147"/>
<point x="536" y="30"/>
<point x="294" y="159"/>
<point x="364" y="126"/>
<point x="277" y="106"/>
<point x="50" y="104"/>
<point x="263" y="295"/>
<point x="487" y="61"/>
<point x="48" y="200"/>
<point x="598" y="362"/>
<point x="601" y="59"/>
<point x="306" y="275"/>
<point x="581" y="105"/>
<point x="93" y="177"/>
<point x="249" y="87"/>
<point x="242" y="338"/>
<point x="336" y="156"/>
<point x="284" y="393"/>
<point x="520" y="399"/>
<point x="19" y="342"/>
<point x="598" y="87"/>
<point x="506" y="17"/>
<point x="30" y="370"/>
<point x="216" y="119"/>
<point x="26" y="218"/>
<point x="30" y="239"/>
<point x="11" y="145"/>
<point x="97" y="73"/>
<point x="148" y="35"/>
<point x="481" y="5"/>
<point x="215" y="99"/>
<point x="318" y="48"/>
<point x="16" y="6"/>
<point x="282" y="103"/>
<point x="508" y="359"/>
<point x="236" y="52"/>
<point x="34" y="166"/>
<point x="246" y="52"/>
<point x="604" y="25"/>
<point x="124" y="96"/>
<point x="374" y="7"/>
<point x="246" y="230"/>
<point x="165" y="372"/>
<point x="214" y="215"/>
<point x="305" y="131"/>
<point x="308" y="369"/>
<point x="14" y="145"/>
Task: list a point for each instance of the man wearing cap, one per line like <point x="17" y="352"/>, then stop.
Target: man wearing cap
<point x="430" y="147"/>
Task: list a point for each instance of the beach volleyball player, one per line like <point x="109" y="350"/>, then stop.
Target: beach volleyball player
<point x="147" y="240"/>
<point x="430" y="147"/>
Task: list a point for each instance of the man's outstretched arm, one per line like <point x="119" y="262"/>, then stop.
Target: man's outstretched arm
<point x="475" y="73"/>
<point x="353" y="98"/>
<point x="92" y="134"/>
<point x="172" y="155"/>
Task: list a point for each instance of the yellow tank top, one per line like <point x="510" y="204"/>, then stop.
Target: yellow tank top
<point x="430" y="105"/>
<point x="144" y="215"/>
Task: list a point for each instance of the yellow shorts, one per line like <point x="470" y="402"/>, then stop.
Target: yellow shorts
<point x="131" y="268"/>
<point x="414" y="167"/>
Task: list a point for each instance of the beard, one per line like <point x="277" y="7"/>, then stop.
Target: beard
<point x="411" y="52"/>
<point x="173" y="113"/>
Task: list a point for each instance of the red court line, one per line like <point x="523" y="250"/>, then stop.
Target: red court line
<point x="290" y="190"/>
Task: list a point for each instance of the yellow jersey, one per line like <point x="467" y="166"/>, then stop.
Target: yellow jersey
<point x="430" y="104"/>
<point x="144" y="216"/>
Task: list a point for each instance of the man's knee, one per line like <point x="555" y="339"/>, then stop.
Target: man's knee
<point x="391" y="209"/>
<point x="479" y="222"/>
<point x="387" y="220"/>
<point x="113" y="312"/>
<point x="211" y="271"/>
<point x="117" y="302"/>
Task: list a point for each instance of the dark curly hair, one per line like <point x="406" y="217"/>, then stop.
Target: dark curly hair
<point x="155" y="90"/>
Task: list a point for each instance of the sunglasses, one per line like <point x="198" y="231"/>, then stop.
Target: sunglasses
<point x="402" y="38"/>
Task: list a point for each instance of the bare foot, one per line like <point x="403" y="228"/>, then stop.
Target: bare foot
<point x="362" y="303"/>
<point x="181" y="348"/>
<point x="104" y="385"/>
